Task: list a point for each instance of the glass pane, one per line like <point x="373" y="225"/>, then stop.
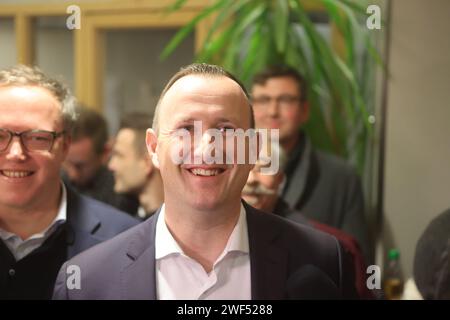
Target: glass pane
<point x="54" y="48"/>
<point x="134" y="75"/>
<point x="7" y="43"/>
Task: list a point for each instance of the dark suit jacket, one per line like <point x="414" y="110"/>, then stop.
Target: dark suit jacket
<point x="124" y="267"/>
<point x="325" y="188"/>
<point x="90" y="222"/>
<point x="349" y="244"/>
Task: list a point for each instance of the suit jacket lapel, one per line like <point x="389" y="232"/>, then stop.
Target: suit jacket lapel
<point x="81" y="225"/>
<point x="268" y="261"/>
<point x="138" y="277"/>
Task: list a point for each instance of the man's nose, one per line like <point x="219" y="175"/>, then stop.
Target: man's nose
<point x="200" y="147"/>
<point x="111" y="164"/>
<point x="16" y="150"/>
<point x="251" y="180"/>
<point x="273" y="108"/>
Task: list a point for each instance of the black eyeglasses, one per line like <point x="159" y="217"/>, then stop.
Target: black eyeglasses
<point x="284" y="100"/>
<point x="32" y="140"/>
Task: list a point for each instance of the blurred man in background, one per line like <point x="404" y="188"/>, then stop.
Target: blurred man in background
<point x="321" y="186"/>
<point x="432" y="259"/>
<point x="85" y="165"/>
<point x="132" y="167"/>
<point x="262" y="191"/>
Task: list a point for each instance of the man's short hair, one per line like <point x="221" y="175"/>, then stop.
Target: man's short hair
<point x="22" y="75"/>
<point x="278" y="71"/>
<point x="200" y="69"/>
<point x="139" y="122"/>
<point x="432" y="259"/>
<point x="92" y="125"/>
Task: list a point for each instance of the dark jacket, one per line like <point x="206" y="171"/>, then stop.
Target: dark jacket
<point x="325" y="188"/>
<point x="349" y="244"/>
<point x="124" y="267"/>
<point x="88" y="223"/>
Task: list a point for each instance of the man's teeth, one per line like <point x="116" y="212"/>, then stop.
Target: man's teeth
<point x="205" y="172"/>
<point x="16" y="174"/>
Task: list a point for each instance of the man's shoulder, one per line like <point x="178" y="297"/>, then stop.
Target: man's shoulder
<point x="128" y="244"/>
<point x="297" y="244"/>
<point x="333" y="164"/>
<point x="101" y="267"/>
<point x="108" y="215"/>
<point x="107" y="212"/>
<point x="290" y="232"/>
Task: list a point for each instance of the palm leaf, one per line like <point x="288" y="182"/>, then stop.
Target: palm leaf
<point x="248" y="35"/>
<point x="185" y="31"/>
<point x="280" y="23"/>
<point x="177" y="5"/>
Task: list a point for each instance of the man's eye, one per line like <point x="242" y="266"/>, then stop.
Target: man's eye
<point x="188" y="127"/>
<point x="182" y="131"/>
<point x="226" y="130"/>
<point x="38" y="138"/>
<point x="261" y="100"/>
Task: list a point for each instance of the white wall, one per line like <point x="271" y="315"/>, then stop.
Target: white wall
<point x="417" y="162"/>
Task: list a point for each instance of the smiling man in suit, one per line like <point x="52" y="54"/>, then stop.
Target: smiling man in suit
<point x="42" y="222"/>
<point x="205" y="242"/>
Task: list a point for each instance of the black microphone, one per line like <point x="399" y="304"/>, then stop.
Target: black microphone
<point x="310" y="283"/>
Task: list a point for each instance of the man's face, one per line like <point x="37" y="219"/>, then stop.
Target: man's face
<point x="82" y="162"/>
<point x="29" y="179"/>
<point x="277" y="105"/>
<point x="129" y="167"/>
<point x="219" y="103"/>
<point x="261" y="191"/>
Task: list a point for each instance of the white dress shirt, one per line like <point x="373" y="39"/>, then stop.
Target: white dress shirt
<point x="181" y="277"/>
<point x="21" y="248"/>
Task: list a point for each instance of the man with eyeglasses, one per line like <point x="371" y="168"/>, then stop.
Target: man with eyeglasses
<point x="42" y="223"/>
<point x="321" y="186"/>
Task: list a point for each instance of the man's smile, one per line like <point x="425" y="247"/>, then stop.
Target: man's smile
<point x="16" y="174"/>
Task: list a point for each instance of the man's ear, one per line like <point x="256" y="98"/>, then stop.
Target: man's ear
<point x="151" y="140"/>
<point x="106" y="152"/>
<point x="149" y="167"/>
<point x="259" y="143"/>
<point x="253" y="148"/>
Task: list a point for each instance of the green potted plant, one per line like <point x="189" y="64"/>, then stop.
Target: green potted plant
<point x="247" y="35"/>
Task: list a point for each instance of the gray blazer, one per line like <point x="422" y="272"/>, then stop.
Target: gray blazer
<point x="124" y="267"/>
<point x="325" y="188"/>
<point x="90" y="222"/>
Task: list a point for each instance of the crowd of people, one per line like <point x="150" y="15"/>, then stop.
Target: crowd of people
<point x="140" y="225"/>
